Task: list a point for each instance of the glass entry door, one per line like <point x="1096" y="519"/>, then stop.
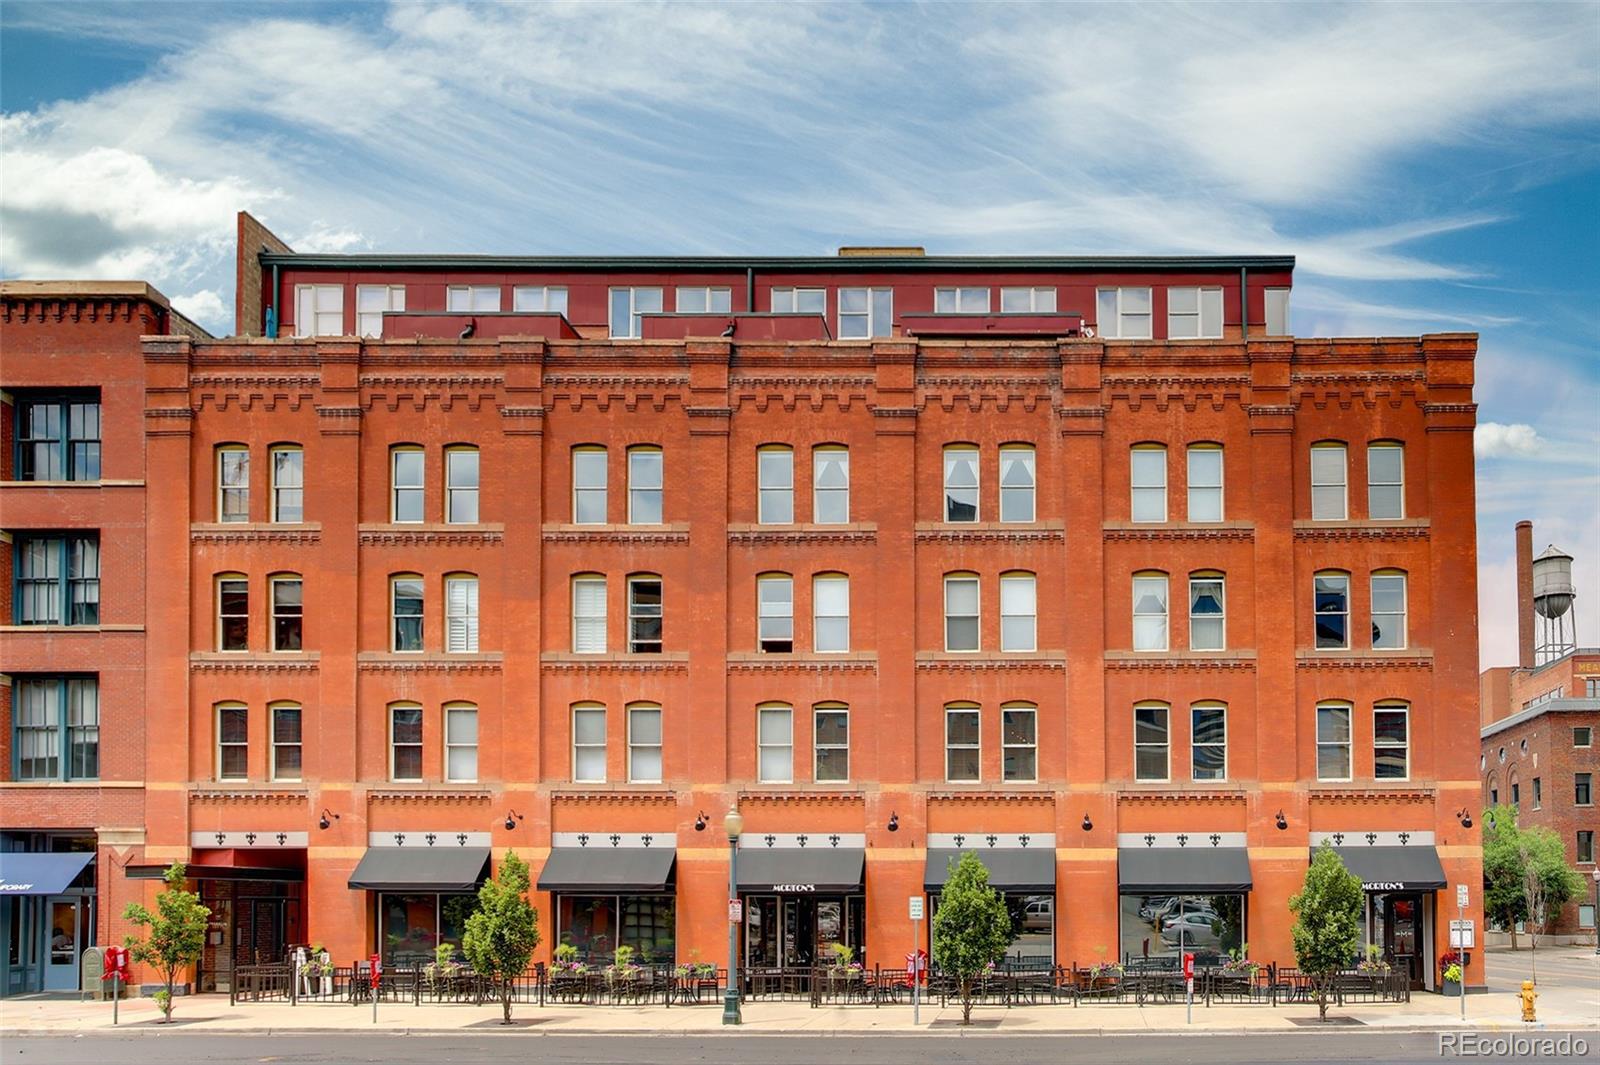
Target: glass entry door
<point x="1402" y="935"/>
<point x="65" y="916"/>
<point x="799" y="931"/>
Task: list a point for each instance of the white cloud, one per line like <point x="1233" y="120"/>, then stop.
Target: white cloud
<point x="1492" y="440"/>
<point x="206" y="307"/>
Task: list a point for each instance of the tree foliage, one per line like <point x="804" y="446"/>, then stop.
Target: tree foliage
<point x="972" y="929"/>
<point x="501" y="935"/>
<point x="1327" y="922"/>
<point x="1525" y="872"/>
<point x="177" y="933"/>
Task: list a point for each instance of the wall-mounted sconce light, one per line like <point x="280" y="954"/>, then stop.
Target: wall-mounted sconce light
<point x="1464" y="817"/>
<point x="894" y="823"/>
<point x="1088" y="825"/>
<point x="511" y="820"/>
<point x="1283" y="822"/>
<point x="327" y="819"/>
<point x="700" y="822"/>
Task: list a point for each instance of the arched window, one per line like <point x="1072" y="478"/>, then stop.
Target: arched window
<point x="406" y="472"/>
<point x="1150" y="611"/>
<point x="1389" y="609"/>
<point x="589" y="613"/>
<point x="288" y="611"/>
<point x="233" y="483"/>
<point x="1329" y="475"/>
<point x="1019" y="611"/>
<point x="1391" y="740"/>
<point x="1331" y="599"/>
<point x="405" y="742"/>
<point x="1205" y="482"/>
<point x="830" y="484"/>
<point x="1386" y="480"/>
<point x="405" y="598"/>
<point x="1208" y="624"/>
<point x="775" y="484"/>
<point x="830" y="612"/>
<point x="288" y="751"/>
<point x="461" y="484"/>
<point x="461" y="742"/>
<point x="961" y="482"/>
<point x="461" y="613"/>
<point x="961" y="612"/>
<point x="644" y="614"/>
<point x="645" y="481"/>
<point x="1208" y="741"/>
<point x="830" y="743"/>
<point x="233" y="741"/>
<point x="288" y="483"/>
<point x="1019" y="743"/>
<point x="963" y="747"/>
<point x="1147" y="469"/>
<point x="1017" y="482"/>
<point x="775" y="743"/>
<point x="1152" y="741"/>
<point x="775" y="613"/>
<point x="644" y="743"/>
<point x="233" y="612"/>
<point x="589" y="480"/>
<point x="1333" y="741"/>
<point x="588" y="743"/>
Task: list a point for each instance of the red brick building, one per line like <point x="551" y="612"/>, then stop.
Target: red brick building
<point x="1539" y="721"/>
<point x="1080" y="563"/>
<point x="72" y="630"/>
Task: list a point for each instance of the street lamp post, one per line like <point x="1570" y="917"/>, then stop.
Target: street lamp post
<point x="733" y="824"/>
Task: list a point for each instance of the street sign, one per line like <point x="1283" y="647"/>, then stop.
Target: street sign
<point x="1463" y="935"/>
<point x="735" y="911"/>
<point x="1461" y="896"/>
<point x="916" y="907"/>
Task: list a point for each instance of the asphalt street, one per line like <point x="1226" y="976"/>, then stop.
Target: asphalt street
<point x="946" y="1048"/>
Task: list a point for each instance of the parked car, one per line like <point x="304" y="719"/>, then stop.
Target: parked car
<point x="1154" y="906"/>
<point x="1192" y="929"/>
<point x="1037" y="916"/>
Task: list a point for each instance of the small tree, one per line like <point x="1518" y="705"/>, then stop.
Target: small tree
<point x="177" y="934"/>
<point x="501" y="936"/>
<point x="1525" y="874"/>
<point x="1327" y="922"/>
<point x="972" y="929"/>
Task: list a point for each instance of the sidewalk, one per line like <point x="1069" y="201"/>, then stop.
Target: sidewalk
<point x="1559" y="1007"/>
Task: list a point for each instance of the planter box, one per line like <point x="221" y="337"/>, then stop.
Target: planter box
<point x="1452" y="989"/>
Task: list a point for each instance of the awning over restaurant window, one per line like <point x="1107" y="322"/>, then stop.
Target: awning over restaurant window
<point x="1182" y="870"/>
<point x="442" y="869"/>
<point x="38" y="873"/>
<point x="599" y="870"/>
<point x="835" y="870"/>
<point x="1413" y="868"/>
<point x="1010" y="869"/>
<point x="197" y="871"/>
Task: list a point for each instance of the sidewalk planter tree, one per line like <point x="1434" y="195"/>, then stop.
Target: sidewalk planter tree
<point x="1327" y="922"/>
<point x="501" y="935"/>
<point x="972" y="929"/>
<point x="177" y="934"/>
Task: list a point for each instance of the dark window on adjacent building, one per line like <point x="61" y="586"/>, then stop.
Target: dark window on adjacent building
<point x="1586" y="845"/>
<point x="1582" y="789"/>
<point x="1538" y="793"/>
<point x="58" y="580"/>
<point x="58" y="437"/>
<point x="1583" y="735"/>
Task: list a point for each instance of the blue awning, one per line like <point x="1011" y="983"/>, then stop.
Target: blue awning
<point x="31" y="873"/>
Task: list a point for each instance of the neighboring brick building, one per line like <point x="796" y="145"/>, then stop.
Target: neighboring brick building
<point x="72" y="647"/>
<point x="1539" y="731"/>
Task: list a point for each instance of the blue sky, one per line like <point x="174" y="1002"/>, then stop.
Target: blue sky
<point x="1433" y="167"/>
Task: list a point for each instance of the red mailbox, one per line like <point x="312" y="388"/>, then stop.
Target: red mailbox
<point x="375" y="964"/>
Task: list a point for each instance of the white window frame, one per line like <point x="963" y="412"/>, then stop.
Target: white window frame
<point x="962" y="299"/>
<point x="818" y="747"/>
<point x="1037" y="299"/>
<point x="394" y="747"/>
<point x="774" y="498"/>
<point x="952" y="454"/>
<point x="600" y="490"/>
<point x="1016" y="582"/>
<point x="638" y="612"/>
<point x="636" y="746"/>
<point x="461" y="613"/>
<point x="1121" y="321"/>
<point x="372" y="301"/>
<point x="1015" y="494"/>
<point x="976" y="616"/>
<point x="539" y="299"/>
<point x="764" y="713"/>
<point x="224" y="487"/>
<point x="1202" y="323"/>
<point x="472" y="299"/>
<point x="584" y="614"/>
<point x="396" y="488"/>
<point x="1375" y="486"/>
<point x="1195" y="745"/>
<point x="775" y="613"/>
<point x="1317" y="612"/>
<point x="1335" y="744"/>
<point x="636" y="312"/>
<point x="821" y="455"/>
<point x="1150" y="580"/>
<point x="273" y="612"/>
<point x="788" y="299"/>
<point x="589" y="711"/>
<point x="874" y="320"/>
<point x="1006" y="745"/>
<point x="1199" y="514"/>
<point x="1221" y="581"/>
<point x="452" y="745"/>
<point x="827" y="585"/>
<point x="1323" y="511"/>
<point x="950" y="711"/>
<point x="640" y="490"/>
<point x="311" y="308"/>
<point x="454" y="492"/>
<point x="279" y="488"/>
<point x="710" y="299"/>
<point x="233" y="578"/>
<point x="1142" y="487"/>
<point x="1165" y="745"/>
<point x="1403" y="614"/>
<point x="395" y="615"/>
<point x="223" y="745"/>
<point x="1276" y="307"/>
<point x="1404" y="710"/>
<point x="274" y="744"/>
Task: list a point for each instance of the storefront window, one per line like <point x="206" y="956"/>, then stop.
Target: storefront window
<point x="598" y="924"/>
<point x="1210" y="926"/>
<point x="413" y="926"/>
<point x="1033" y="926"/>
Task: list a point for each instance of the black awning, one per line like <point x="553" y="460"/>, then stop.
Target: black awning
<point x="602" y="869"/>
<point x="795" y="869"/>
<point x="40" y="872"/>
<point x="1182" y="870"/>
<point x="1010" y="869"/>
<point x="284" y="875"/>
<point x="442" y="869"/>
<point x="1393" y="868"/>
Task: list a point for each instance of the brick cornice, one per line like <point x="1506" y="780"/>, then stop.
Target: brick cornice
<point x="399" y="662"/>
<point x="996" y="661"/>
<point x="676" y="533"/>
<point x="991" y="532"/>
<point x="255" y="533"/>
<point x="418" y="535"/>
<point x="1178" y="531"/>
<point x="1167" y="661"/>
<point x="428" y="793"/>
<point x="264" y="794"/>
<point x="668" y="662"/>
<point x="1338" y="531"/>
<point x="1413" y="658"/>
<point x="858" y="533"/>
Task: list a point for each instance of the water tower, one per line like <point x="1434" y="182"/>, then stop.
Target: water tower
<point x="1553" y="594"/>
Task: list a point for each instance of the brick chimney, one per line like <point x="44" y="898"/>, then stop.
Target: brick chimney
<point x="1525" y="594"/>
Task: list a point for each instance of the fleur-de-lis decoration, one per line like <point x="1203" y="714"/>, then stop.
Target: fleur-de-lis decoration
<point x="583" y="839"/>
<point x="615" y="839"/>
<point x="960" y="839"/>
<point x="1023" y="839"/>
<point x="282" y="838"/>
<point x="220" y="837"/>
<point x="399" y="839"/>
<point x="431" y="837"/>
<point x="991" y="837"/>
<point x="770" y="839"/>
<point x="646" y="838"/>
<point x="833" y="840"/>
<point x="1372" y="837"/>
<point x="1149" y="839"/>
<point x="1405" y="837"/>
<point x="801" y="839"/>
<point x="1183" y="839"/>
<point x="250" y="838"/>
<point x="461" y="839"/>
<point x="1338" y="839"/>
<point x="1216" y="839"/>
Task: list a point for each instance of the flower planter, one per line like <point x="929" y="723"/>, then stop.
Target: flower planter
<point x="1452" y="989"/>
